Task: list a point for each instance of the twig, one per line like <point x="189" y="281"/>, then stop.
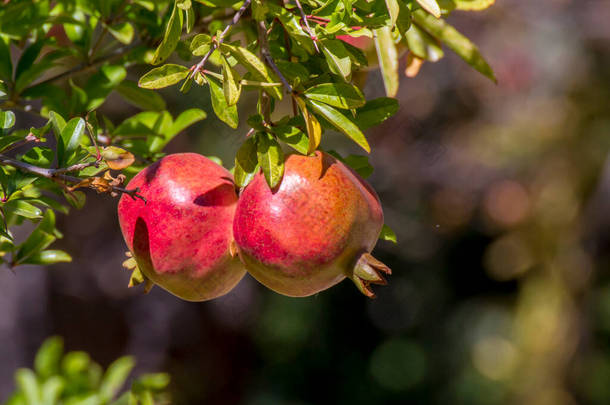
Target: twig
<point x="304" y="18"/>
<point x="56" y="174"/>
<point x="264" y="45"/>
<point x="198" y="67"/>
<point x="74" y="168"/>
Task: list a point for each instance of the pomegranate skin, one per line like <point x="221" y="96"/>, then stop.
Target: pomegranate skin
<point x="181" y="237"/>
<point x="310" y="232"/>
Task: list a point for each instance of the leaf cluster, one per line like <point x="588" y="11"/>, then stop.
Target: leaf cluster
<point x="73" y="378"/>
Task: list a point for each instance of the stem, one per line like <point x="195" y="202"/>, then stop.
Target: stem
<point x="219" y="41"/>
<point x="262" y="39"/>
<point x="57" y="174"/>
<point x="304" y="18"/>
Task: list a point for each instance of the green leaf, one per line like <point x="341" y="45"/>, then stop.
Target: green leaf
<point x="431" y="6"/>
<point x="254" y="65"/>
<point x="38" y="240"/>
<point x="57" y="122"/>
<point x="360" y="164"/>
<point x="7" y="119"/>
<point x="270" y="158"/>
<point x="100" y="84"/>
<point x="8" y="140"/>
<point x="230" y="83"/>
<point x="293" y="137"/>
<point x="339" y="95"/>
<point x="72" y="133"/>
<point x="423" y="45"/>
<point x="164" y="76"/>
<point x="341" y="122"/>
<point x="226" y="113"/>
<point x="190" y="19"/>
<point x="23" y="209"/>
<point x="455" y="41"/>
<point x="171" y="38"/>
<point x="246" y="163"/>
<point x="6" y="65"/>
<point x="375" y="112"/>
<point x="393" y="10"/>
<point x="473" y="5"/>
<point x="115" y="377"/>
<point x="314" y="129"/>
<point x="75" y="198"/>
<point x="48" y="357"/>
<point x="337" y="57"/>
<point x="47" y="257"/>
<point x="201" y="44"/>
<point x="28" y="57"/>
<point x="186" y="119"/>
<point x="388" y="60"/>
<point x="387" y="234"/>
<point x="140" y="97"/>
<point x="123" y="32"/>
<point x="51" y="390"/>
<point x="26" y="382"/>
<point x="153" y="381"/>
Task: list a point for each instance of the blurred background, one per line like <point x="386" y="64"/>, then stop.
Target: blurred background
<point x="499" y="195"/>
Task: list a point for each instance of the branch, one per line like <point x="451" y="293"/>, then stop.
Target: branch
<point x="219" y="41"/>
<point x="262" y="39"/>
<point x="304" y="18"/>
<point x="57" y="174"/>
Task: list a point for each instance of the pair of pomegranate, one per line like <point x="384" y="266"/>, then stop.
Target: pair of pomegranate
<point x="195" y="237"/>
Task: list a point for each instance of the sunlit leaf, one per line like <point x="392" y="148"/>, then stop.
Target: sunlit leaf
<point x="341" y="123"/>
<point x="337" y="57"/>
<point x="230" y="83"/>
<point x="117" y="158"/>
<point x="171" y="37"/>
<point x="387" y="234"/>
<point x="163" y="76"/>
<point x="47" y="257"/>
<point x="388" y="60"/>
<point x="7" y="119"/>
<point x="123" y="32"/>
<point x="246" y="163"/>
<point x="431" y="6"/>
<point x="270" y="158"/>
<point x="226" y="113"/>
<point x="339" y="95"/>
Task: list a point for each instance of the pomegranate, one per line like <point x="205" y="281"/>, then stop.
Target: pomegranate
<point x="313" y="230"/>
<point x="181" y="237"/>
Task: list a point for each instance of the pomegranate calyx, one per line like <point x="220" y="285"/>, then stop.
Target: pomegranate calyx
<point x="367" y="271"/>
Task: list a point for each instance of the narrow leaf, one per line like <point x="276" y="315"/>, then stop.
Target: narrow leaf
<point x="226" y="113"/>
<point x="388" y="59"/>
<point x="314" y="129"/>
<point x="375" y="112"/>
<point x="115" y="377"/>
<point x="230" y="83"/>
<point x="163" y="76"/>
<point x="171" y="38"/>
<point x="337" y="57"/>
<point x="270" y="158"/>
<point x="47" y="257"/>
<point x="431" y="6"/>
<point x="246" y="163"/>
<point x="342" y="123"/>
<point x="293" y="137"/>
<point x="339" y="95"/>
<point x="456" y="41"/>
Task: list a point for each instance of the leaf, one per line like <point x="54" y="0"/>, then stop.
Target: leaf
<point x="163" y="76"/>
<point x="201" y="44"/>
<point x="117" y="158"/>
<point x="72" y="133"/>
<point x="473" y="5"/>
<point x="23" y="209"/>
<point x="246" y="163"/>
<point x="337" y="57"/>
<point x="190" y="19"/>
<point x="388" y="60"/>
<point x="393" y="10"/>
<point x="7" y="119"/>
<point x="270" y="158"/>
<point x="123" y="32"/>
<point x="423" y="45"/>
<point x="115" y="377"/>
<point x="48" y="357"/>
<point x="339" y="95"/>
<point x="293" y="137"/>
<point x="230" y="83"/>
<point x="375" y="112"/>
<point x="39" y="239"/>
<point x="8" y="140"/>
<point x="226" y="113"/>
<point x="455" y="41"/>
<point x="27" y="384"/>
<point x="51" y="390"/>
<point x="360" y="164"/>
<point x="387" y="234"/>
<point x="75" y="198"/>
<point x="6" y="65"/>
<point x="47" y="257"/>
<point x="314" y="129"/>
<point x="57" y="122"/>
<point x="171" y="37"/>
<point x="254" y="65"/>
<point x="342" y="123"/>
<point x="186" y="119"/>
<point x="140" y="97"/>
<point x="431" y="6"/>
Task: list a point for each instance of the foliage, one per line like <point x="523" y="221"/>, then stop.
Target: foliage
<point x="62" y="60"/>
<point x="73" y="378"/>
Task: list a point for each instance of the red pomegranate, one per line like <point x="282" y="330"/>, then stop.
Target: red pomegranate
<point x="181" y="237"/>
<point x="316" y="228"/>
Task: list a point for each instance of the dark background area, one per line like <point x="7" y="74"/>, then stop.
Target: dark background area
<point x="500" y="293"/>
